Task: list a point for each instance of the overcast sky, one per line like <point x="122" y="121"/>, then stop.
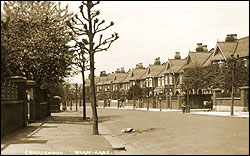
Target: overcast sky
<point x="151" y="29"/>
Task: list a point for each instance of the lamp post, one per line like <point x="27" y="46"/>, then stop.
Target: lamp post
<point x="133" y="85"/>
<point x="233" y="64"/>
<point x="160" y="96"/>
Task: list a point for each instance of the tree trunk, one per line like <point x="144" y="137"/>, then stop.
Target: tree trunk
<point x="93" y="96"/>
<point x="92" y="75"/>
<point x="83" y="96"/>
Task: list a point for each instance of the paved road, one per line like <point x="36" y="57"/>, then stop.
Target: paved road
<point x="157" y="133"/>
<point x="174" y="133"/>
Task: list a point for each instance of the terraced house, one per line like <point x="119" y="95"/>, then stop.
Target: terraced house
<point x="173" y="75"/>
<point x="116" y="83"/>
<point x="231" y="46"/>
<point x="167" y="78"/>
<point x="135" y="77"/>
<point x="199" y="58"/>
<point x="152" y="79"/>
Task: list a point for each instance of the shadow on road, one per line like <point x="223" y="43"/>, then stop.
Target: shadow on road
<point x="102" y="119"/>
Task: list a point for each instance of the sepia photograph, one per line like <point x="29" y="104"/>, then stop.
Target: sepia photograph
<point x="124" y="77"/>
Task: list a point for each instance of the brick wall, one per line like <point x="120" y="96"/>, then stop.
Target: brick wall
<point x="12" y="116"/>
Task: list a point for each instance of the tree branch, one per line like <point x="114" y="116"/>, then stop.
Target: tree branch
<point x="111" y="24"/>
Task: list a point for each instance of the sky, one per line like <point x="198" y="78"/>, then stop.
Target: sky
<point x="151" y="29"/>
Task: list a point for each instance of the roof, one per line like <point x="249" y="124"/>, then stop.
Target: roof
<point x="176" y="64"/>
<point x="163" y="71"/>
<point x="207" y="62"/>
<point x="154" y="70"/>
<point x="196" y="59"/>
<point x="136" y="74"/>
<point x="126" y="78"/>
<point x="110" y="78"/>
<point x="243" y="47"/>
<point x="119" y="77"/>
<point x="102" y="79"/>
<point x="225" y="49"/>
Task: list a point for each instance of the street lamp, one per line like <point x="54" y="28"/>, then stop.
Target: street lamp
<point x="133" y="85"/>
<point x="160" y="97"/>
<point x="233" y="61"/>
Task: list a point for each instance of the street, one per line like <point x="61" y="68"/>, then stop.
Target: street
<point x="157" y="133"/>
<point x="174" y="133"/>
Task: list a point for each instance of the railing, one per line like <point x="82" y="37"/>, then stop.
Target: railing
<point x="9" y="91"/>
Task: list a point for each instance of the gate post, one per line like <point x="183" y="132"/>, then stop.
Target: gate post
<point x="22" y="94"/>
<point x="215" y="92"/>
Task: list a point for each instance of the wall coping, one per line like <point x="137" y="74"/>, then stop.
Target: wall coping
<point x="228" y="98"/>
<point x="30" y="83"/>
<point x="17" y="79"/>
<point x="216" y="89"/>
<point x="244" y="87"/>
<point x="12" y="102"/>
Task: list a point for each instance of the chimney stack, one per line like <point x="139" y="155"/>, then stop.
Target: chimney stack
<point x="103" y="73"/>
<point x="157" y="61"/>
<point x="140" y="66"/>
<point x="122" y="70"/>
<point x="177" y="55"/>
<point x="231" y="37"/>
<point x="205" y="48"/>
<point x="199" y="47"/>
<point x="137" y="66"/>
<point x="118" y="70"/>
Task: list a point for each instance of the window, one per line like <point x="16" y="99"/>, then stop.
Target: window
<point x="180" y="79"/>
<point x="147" y="83"/>
<point x="108" y="87"/>
<point x="159" y="82"/>
<point x="150" y="82"/>
<point x="166" y="80"/>
<point x="162" y="81"/>
<point x="170" y="79"/>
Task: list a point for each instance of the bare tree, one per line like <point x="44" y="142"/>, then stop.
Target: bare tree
<point x="90" y="26"/>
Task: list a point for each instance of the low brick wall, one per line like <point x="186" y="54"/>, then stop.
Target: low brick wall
<point x="12" y="116"/>
<point x="224" y="104"/>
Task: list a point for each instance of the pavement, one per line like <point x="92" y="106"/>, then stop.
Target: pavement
<point x="192" y="111"/>
<point x="63" y="133"/>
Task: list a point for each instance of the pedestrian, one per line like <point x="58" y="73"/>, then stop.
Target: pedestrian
<point x="184" y="104"/>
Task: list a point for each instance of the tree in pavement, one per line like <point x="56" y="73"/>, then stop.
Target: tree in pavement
<point x="80" y="60"/>
<point x="34" y="41"/>
<point x="88" y="28"/>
